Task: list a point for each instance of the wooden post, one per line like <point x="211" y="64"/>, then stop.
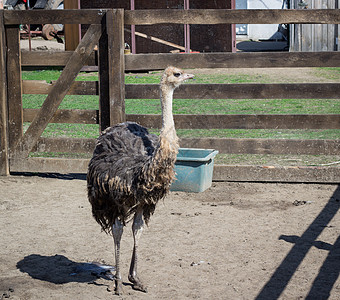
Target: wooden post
<point x="14" y="85"/>
<point x="115" y="30"/>
<point x="112" y="70"/>
<point x="103" y="74"/>
<point x="71" y="31"/>
<point x="4" y="162"/>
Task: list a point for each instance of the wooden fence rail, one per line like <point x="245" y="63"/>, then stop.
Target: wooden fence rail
<point x="192" y="16"/>
<point x="137" y="62"/>
<point x="204" y="91"/>
<point x="239" y="146"/>
<point x="107" y="28"/>
<point x="79" y="116"/>
<point x="230" y="16"/>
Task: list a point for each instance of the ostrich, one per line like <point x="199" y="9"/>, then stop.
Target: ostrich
<point x="130" y="171"/>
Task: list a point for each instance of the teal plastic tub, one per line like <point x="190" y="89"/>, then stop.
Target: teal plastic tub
<point x="194" y="170"/>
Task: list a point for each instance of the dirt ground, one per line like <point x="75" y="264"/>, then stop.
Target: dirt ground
<point x="233" y="241"/>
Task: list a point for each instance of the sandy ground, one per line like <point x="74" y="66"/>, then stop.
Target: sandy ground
<point x="233" y="241"/>
<point x="38" y="43"/>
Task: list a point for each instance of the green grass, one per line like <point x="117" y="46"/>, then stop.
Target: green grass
<point x="200" y="78"/>
<point x="193" y="106"/>
<point x="47" y="75"/>
<point x="189" y="106"/>
<point x="69" y="130"/>
<point x="235" y="159"/>
<point x="278" y="160"/>
<point x="260" y="133"/>
<point x="329" y="73"/>
<point x="237" y="106"/>
<point x="92" y="131"/>
<point x="69" y="102"/>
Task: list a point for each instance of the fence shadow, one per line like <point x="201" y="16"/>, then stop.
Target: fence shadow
<point x="328" y="274"/>
<point x="59" y="269"/>
<point x="329" y="271"/>
<point x="67" y="176"/>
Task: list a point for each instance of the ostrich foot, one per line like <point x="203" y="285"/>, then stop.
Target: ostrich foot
<point x="137" y="284"/>
<point x="118" y="287"/>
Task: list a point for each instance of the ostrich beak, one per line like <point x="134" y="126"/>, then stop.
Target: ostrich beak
<point x="188" y="76"/>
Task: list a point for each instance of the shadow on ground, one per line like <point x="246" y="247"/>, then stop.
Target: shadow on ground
<point x="329" y="271"/>
<point x="68" y="176"/>
<point x="262" y="46"/>
<point x="59" y="269"/>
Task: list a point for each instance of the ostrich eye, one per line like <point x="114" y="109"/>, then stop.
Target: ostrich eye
<point x="177" y="74"/>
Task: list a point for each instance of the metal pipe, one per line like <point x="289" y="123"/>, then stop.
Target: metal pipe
<point x="79" y="28"/>
<point x="29" y="29"/>
<point x="133" y="31"/>
<point x="186" y="30"/>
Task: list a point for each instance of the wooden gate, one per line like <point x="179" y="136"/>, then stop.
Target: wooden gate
<point x="106" y="30"/>
<point x="16" y="144"/>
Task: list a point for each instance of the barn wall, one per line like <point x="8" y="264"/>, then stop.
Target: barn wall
<point x="215" y="38"/>
<point x="204" y="38"/>
<point x="173" y="33"/>
<point x="315" y="37"/>
<point x="260" y="31"/>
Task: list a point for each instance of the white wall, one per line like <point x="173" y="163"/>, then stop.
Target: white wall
<point x="258" y="31"/>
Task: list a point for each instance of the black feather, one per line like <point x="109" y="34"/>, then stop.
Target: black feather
<point x="119" y="180"/>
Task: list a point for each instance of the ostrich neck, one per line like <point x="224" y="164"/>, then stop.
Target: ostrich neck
<point x="168" y="131"/>
<point x="166" y="102"/>
<point x="168" y="125"/>
<point x="159" y="172"/>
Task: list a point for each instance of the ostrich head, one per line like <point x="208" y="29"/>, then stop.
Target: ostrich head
<point x="173" y="77"/>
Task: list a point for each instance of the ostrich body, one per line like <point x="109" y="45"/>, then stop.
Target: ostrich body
<point x="130" y="171"/>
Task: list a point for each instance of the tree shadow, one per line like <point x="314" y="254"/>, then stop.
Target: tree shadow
<point x="328" y="272"/>
<point x="59" y="269"/>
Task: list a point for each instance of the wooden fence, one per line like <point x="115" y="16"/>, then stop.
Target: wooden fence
<point x="107" y="32"/>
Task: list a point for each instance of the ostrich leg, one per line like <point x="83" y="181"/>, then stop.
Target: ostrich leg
<point x="117" y="231"/>
<point x="137" y="228"/>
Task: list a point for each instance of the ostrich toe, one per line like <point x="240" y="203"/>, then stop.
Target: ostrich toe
<point x="137" y="284"/>
<point x="118" y="287"/>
